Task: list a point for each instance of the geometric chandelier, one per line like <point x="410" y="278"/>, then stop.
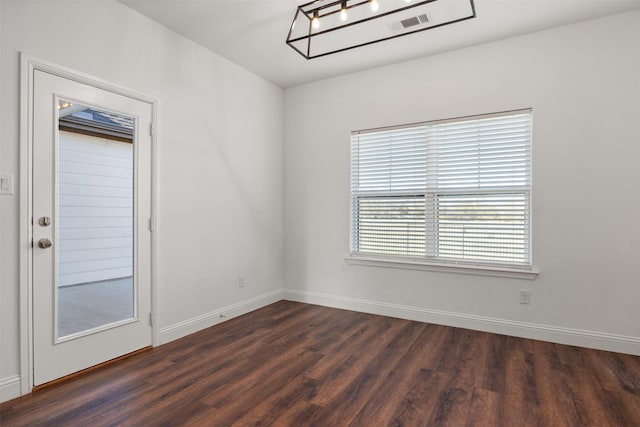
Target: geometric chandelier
<point x="323" y="27"/>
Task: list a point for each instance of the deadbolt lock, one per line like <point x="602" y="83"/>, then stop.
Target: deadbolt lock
<point x="44" y="221"/>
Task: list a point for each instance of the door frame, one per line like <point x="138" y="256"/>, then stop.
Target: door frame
<point x="28" y="66"/>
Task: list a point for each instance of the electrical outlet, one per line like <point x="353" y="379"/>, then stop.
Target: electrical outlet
<point x="525" y="296"/>
<point x="241" y="282"/>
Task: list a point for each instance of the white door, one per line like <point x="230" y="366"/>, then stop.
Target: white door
<point x="91" y="189"/>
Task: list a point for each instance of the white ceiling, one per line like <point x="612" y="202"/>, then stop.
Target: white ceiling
<point x="252" y="33"/>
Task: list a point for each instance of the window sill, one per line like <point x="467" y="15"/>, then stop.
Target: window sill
<point x="413" y="264"/>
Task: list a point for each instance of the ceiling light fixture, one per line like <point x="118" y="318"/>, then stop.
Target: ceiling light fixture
<point x="367" y="22"/>
<point x="343" y="11"/>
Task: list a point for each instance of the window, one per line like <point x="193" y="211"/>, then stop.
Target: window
<point x="447" y="192"/>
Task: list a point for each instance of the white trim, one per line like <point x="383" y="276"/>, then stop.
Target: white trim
<point x="155" y="329"/>
<point x="26" y="329"/>
<point x="569" y="336"/>
<point x="87" y="79"/>
<point x="445" y="120"/>
<point x="28" y="65"/>
<point x="195" y="324"/>
<point x="9" y="388"/>
<point x="413" y="264"/>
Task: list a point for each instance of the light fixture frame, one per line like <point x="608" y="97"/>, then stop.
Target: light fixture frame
<point x="307" y="10"/>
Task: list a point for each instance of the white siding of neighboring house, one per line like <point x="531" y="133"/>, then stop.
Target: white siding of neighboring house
<point x="96" y="209"/>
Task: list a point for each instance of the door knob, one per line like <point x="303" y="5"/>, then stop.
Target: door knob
<point x="44" y="243"/>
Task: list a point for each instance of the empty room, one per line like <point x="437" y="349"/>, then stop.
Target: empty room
<point x="319" y="213"/>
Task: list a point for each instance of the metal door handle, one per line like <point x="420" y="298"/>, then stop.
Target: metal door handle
<point x="44" y="243"/>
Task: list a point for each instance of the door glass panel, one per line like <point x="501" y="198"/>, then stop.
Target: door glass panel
<point x="95" y="286"/>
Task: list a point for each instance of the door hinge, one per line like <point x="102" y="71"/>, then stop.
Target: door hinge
<point x="151" y="129"/>
<point x="150" y="319"/>
<point x="150" y="224"/>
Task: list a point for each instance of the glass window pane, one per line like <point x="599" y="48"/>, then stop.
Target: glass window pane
<point x="95" y="285"/>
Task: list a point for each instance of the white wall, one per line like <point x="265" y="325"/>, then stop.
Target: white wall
<point x="220" y="204"/>
<point x="583" y="83"/>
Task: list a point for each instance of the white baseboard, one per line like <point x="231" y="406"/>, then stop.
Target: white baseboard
<point x="9" y="388"/>
<point x="577" y="337"/>
<point x="189" y="326"/>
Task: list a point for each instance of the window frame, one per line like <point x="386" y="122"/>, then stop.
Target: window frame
<point x="429" y="261"/>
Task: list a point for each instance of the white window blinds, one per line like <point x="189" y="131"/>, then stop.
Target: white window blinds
<point x="455" y="191"/>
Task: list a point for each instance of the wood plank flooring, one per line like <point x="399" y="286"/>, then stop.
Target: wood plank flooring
<point x="292" y="364"/>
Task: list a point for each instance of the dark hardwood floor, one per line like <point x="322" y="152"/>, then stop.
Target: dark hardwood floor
<point x="292" y="364"/>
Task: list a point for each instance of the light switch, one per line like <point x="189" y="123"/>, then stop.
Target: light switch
<point x="6" y="184"/>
